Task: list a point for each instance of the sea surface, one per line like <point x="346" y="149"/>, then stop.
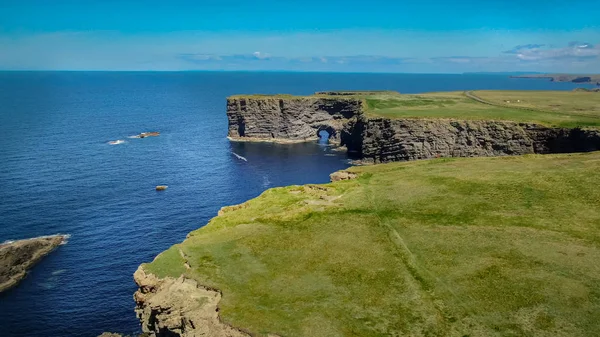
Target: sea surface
<point x="59" y="174"/>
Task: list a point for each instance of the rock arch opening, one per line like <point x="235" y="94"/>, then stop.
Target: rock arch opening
<point x="325" y="133"/>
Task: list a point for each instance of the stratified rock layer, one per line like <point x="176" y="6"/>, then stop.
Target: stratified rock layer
<point x="289" y="119"/>
<point x="379" y="139"/>
<point x="385" y="140"/>
<point x="17" y="257"/>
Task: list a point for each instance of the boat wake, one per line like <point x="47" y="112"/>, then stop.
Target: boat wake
<point x="239" y="157"/>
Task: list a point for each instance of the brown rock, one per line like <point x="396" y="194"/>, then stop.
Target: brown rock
<point x="17" y="257"/>
<point x="179" y="307"/>
<point x="342" y="175"/>
<point x="149" y="134"/>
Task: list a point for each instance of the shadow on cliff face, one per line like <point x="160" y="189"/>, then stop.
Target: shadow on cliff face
<point x="569" y="140"/>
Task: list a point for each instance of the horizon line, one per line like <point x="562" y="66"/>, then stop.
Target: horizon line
<point x="291" y="71"/>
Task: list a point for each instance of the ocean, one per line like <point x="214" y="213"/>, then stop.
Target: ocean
<point x="59" y="174"/>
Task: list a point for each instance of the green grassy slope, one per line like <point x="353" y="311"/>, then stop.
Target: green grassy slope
<point x="552" y="108"/>
<point x="505" y="246"/>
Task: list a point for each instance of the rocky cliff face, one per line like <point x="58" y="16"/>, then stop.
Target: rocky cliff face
<point x="179" y="308"/>
<point x="289" y="119"/>
<point x="383" y="140"/>
<point x="378" y="140"/>
<point x="17" y="257"/>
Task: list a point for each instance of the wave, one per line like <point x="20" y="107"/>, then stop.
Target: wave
<point x="66" y="237"/>
<point x="239" y="157"/>
<point x="116" y="142"/>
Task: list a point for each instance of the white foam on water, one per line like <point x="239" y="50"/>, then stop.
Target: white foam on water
<point x="239" y="157"/>
<point x="65" y="239"/>
<point x="266" y="181"/>
<point x="116" y="142"/>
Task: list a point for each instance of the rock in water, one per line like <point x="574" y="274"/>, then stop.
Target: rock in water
<point x="149" y="134"/>
<point x="161" y="187"/>
<point x="17" y="257"/>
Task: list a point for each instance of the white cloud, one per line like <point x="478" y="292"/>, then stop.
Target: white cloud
<point x="575" y="51"/>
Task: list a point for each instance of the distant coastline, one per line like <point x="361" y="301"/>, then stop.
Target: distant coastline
<point x="582" y="78"/>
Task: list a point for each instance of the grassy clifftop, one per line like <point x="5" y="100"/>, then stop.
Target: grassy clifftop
<point x="551" y="108"/>
<point x="450" y="247"/>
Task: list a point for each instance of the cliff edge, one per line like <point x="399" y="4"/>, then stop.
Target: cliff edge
<point x="504" y="246"/>
<point x="384" y="127"/>
<point x="179" y="307"/>
<point x="17" y="257"/>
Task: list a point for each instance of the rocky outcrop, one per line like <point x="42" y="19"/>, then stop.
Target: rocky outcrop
<point x="376" y="140"/>
<point x="17" y="257"/>
<point x="342" y="175"/>
<point x="179" y="307"/>
<point x="289" y="119"/>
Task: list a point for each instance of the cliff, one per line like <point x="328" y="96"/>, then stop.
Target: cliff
<point x="17" y="257"/>
<point x="289" y="119"/>
<point x="374" y="138"/>
<point x="504" y="246"/>
<point x="383" y="140"/>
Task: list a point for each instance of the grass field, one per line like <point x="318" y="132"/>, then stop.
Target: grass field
<point x="552" y="108"/>
<point x="505" y="246"/>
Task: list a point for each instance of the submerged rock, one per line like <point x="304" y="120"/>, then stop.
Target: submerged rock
<point x="17" y="257"/>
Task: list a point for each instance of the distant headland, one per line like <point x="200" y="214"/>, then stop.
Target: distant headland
<point x="583" y="78"/>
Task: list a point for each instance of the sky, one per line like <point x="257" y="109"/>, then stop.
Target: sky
<point x="430" y="36"/>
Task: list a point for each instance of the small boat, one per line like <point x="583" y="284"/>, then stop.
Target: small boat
<point x="161" y="187"/>
<point x="116" y="142"/>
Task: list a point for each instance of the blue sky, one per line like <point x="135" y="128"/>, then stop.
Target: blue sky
<point x="380" y="36"/>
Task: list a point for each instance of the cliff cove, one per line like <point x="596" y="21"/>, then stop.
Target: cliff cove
<point x="60" y="175"/>
<point x="445" y="246"/>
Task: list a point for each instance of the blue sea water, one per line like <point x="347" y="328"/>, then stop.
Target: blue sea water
<point x="58" y="174"/>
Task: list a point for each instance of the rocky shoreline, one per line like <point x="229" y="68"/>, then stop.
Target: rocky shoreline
<point x="17" y="257"/>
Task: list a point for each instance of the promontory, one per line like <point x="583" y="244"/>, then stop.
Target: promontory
<point x="378" y="127"/>
<point x="505" y="244"/>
